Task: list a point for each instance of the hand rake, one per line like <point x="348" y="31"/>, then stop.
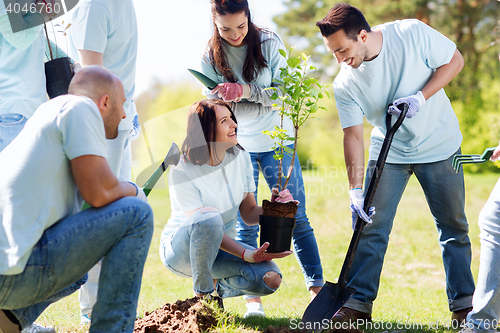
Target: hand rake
<point x="472" y="158"/>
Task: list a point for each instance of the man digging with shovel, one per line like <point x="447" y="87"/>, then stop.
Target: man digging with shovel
<point x="394" y="63"/>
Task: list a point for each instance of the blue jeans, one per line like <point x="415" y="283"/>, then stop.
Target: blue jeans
<point x="193" y="250"/>
<point x="120" y="163"/>
<point x="445" y="195"/>
<point x="11" y="125"/>
<point x="486" y="300"/>
<point x="303" y="239"/>
<point x="120" y="232"/>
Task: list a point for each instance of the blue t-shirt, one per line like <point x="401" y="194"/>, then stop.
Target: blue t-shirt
<point x="109" y="27"/>
<point x="411" y="51"/>
<point x="250" y="134"/>
<point x="222" y="187"/>
<point x="37" y="188"/>
<point x="22" y="73"/>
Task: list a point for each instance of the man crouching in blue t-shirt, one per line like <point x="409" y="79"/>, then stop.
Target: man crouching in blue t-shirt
<point x="47" y="244"/>
<point x="399" y="62"/>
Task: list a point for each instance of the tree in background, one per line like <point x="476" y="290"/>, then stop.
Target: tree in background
<point x="472" y="24"/>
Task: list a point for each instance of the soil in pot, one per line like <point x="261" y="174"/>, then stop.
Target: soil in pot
<point x="278" y="209"/>
<point x="276" y="225"/>
<point x="58" y="74"/>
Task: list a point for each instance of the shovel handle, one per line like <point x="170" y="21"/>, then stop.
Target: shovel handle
<point x="370" y="193"/>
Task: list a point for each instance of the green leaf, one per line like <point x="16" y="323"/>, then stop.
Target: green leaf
<point x="288" y="150"/>
<point x="293" y="62"/>
<point x="274" y="96"/>
<point x="296" y="93"/>
<point x="283" y="52"/>
<point x="310" y="81"/>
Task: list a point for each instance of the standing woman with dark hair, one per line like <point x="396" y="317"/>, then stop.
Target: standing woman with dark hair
<point x="211" y="183"/>
<point x="244" y="59"/>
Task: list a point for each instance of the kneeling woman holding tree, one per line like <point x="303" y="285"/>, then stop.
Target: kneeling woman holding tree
<point x="211" y="183"/>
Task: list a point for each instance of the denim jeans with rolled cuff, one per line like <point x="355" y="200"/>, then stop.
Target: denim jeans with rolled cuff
<point x="485" y="315"/>
<point x="445" y="194"/>
<point x="120" y="232"/>
<point x="193" y="250"/>
<point x="11" y="124"/>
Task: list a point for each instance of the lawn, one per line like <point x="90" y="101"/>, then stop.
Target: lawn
<point x="412" y="294"/>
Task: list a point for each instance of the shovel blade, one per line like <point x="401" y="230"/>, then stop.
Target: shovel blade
<point x="173" y="156"/>
<point x="325" y="305"/>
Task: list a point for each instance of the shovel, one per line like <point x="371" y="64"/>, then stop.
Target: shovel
<point x="172" y="158"/>
<point x="333" y="296"/>
<point x="472" y="158"/>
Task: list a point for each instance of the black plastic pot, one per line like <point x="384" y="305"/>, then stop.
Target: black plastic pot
<point x="277" y="231"/>
<point x="58" y="74"/>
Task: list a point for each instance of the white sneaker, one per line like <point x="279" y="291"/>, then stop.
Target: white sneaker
<point x="35" y="328"/>
<point x="254" y="309"/>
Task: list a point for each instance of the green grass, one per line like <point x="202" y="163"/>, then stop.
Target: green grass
<point x="412" y="289"/>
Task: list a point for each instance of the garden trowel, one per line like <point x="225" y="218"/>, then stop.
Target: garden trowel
<point x="333" y="296"/>
<point x="207" y="82"/>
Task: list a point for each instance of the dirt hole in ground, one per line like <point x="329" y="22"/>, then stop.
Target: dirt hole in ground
<point x="194" y="316"/>
<point x="191" y="315"/>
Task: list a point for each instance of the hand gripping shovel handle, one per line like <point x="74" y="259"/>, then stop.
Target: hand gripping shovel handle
<point x="333" y="296"/>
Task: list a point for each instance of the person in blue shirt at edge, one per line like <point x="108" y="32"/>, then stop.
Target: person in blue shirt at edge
<point x="485" y="313"/>
<point x="104" y="32"/>
<point x="47" y="244"/>
<point x="399" y="62"/>
<point x="244" y="59"/>
<point x="199" y="238"/>
<point x="22" y="73"/>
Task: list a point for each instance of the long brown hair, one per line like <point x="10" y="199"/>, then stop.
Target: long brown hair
<point x="254" y="60"/>
<point x="201" y="131"/>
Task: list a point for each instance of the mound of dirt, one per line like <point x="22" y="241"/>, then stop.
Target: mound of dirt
<point x="190" y="315"/>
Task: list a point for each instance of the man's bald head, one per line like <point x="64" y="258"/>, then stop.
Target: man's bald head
<point x="94" y="82"/>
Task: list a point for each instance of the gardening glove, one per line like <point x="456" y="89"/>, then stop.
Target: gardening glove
<point x="357" y="203"/>
<point x="414" y="103"/>
<point x="283" y="196"/>
<point x="260" y="254"/>
<point x="229" y="92"/>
